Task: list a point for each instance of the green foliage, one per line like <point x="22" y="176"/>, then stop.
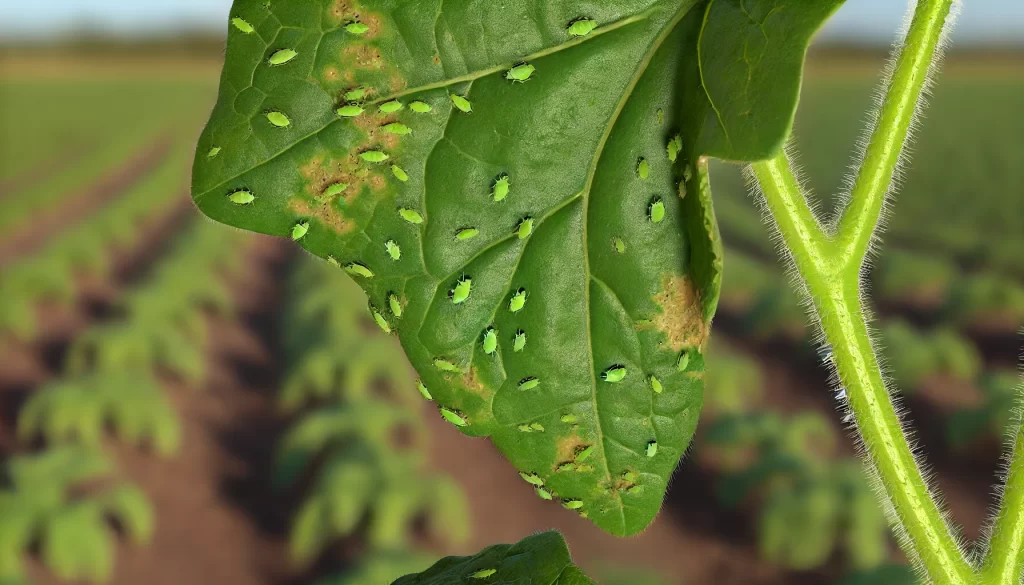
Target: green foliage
<point x="990" y="298"/>
<point x="72" y="533"/>
<point x="733" y="382"/>
<point x="883" y="575"/>
<point x="613" y="270"/>
<point x="923" y="281"/>
<point x="912" y="355"/>
<point x="79" y="409"/>
<point x="1001" y="390"/>
<point x="541" y="559"/>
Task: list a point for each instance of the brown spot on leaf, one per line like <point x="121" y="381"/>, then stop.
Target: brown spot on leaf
<point x="682" y="316"/>
<point x="566" y="447"/>
<point x="326" y="213"/>
<point x="472" y="383"/>
<point x="362" y="57"/>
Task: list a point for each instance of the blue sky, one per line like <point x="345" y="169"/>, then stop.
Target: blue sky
<point x="865" y="20"/>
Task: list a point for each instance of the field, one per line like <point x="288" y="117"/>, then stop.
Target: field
<point x="185" y="403"/>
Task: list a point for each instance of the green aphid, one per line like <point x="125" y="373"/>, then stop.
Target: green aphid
<point x="661" y="116"/>
<point x="445" y="365"/>
<point x="374" y="156"/>
<point x="399" y="173"/>
<point x="357" y="28"/>
<point x="390" y="107"/>
<point x="629" y="476"/>
<point x="519" y="341"/>
<point x="656" y="210"/>
<point x="643" y="168"/>
<point x="584" y="453"/>
<point x="566" y="467"/>
<point x="466" y="234"/>
<point x="543" y="493"/>
<point x="278" y="119"/>
<point x="674" y="146"/>
<point x="395" y="305"/>
<point x="453" y="417"/>
<point x="568" y="418"/>
<point x="525" y="429"/>
<point x="652" y="448"/>
<point x="410" y="215"/>
<point x="393" y="250"/>
<point x="501" y="188"/>
<point x="520" y="73"/>
<point x="537" y="427"/>
<point x="397" y="128"/>
<point x="463" y="288"/>
<point x="635" y="490"/>
<point x="532" y="478"/>
<point x="243" y="25"/>
<point x="242" y="197"/>
<point x="484" y="573"/>
<point x="582" y="27"/>
<point x="585" y="469"/>
<point x="423" y="390"/>
<point x="655" y="384"/>
<point x="618" y="245"/>
<point x="335" y="189"/>
<point x="688" y="171"/>
<point x="282" y="56"/>
<point x="518" y="301"/>
<point x="213" y="152"/>
<point x="382" y="322"/>
<point x="572" y="504"/>
<point x="357" y="269"/>
<point x="354" y="95"/>
<point x="682" y="362"/>
<point x="461" y="103"/>
<point x="350" y="111"/>
<point x="529" y="383"/>
<point x="490" y="341"/>
<point x="525" y="228"/>
<point x="333" y="261"/>
<point x="300" y="230"/>
<point x="420" y="107"/>
<point x="614" y="374"/>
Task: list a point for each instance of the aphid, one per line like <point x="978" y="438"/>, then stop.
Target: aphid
<point x="423" y="390"/>
<point x="629" y="476"/>
<point x="568" y="418"/>
<point x="420" y="107"/>
<point x="656" y="210"/>
<point x="656" y="384"/>
<point x="519" y="341"/>
<point x="643" y="168"/>
<point x="390" y="107"/>
<point x="395" y="305"/>
<point x="243" y="25"/>
<point x="661" y="116"/>
<point x="674" y="146"/>
<point x="520" y="73"/>
<point x="282" y="56"/>
<point x="584" y="469"/>
<point x="688" y="171"/>
<point x="537" y="427"/>
<point x="518" y="301"/>
<point x="637" y="489"/>
<point x="410" y="215"/>
<point x="350" y="111"/>
<point x="462" y="103"/>
<point x="467" y="234"/>
<point x="381" y="321"/>
<point x="566" y="467"/>
<point x="525" y="429"/>
<point x="453" y="417"/>
<point x="484" y="573"/>
<point x="300" y="230"/>
<point x="278" y="119"/>
<point x="463" y="288"/>
<point x="357" y="28"/>
<point x="399" y="173"/>
<point x="529" y="383"/>
<point x="357" y="269"/>
<point x="355" y="95"/>
<point x="374" y="156"/>
<point x="333" y="261"/>
<point x="501" y="188"/>
<point x="618" y="245"/>
<point x="584" y="453"/>
<point x="582" y="27"/>
<point x="532" y="478"/>
<point x="683" y="361"/>
<point x="572" y="504"/>
<point x="242" y="197"/>
<point x="335" y="189"/>
<point x="614" y="374"/>
<point x="652" y="448"/>
<point x="490" y="341"/>
<point x="525" y="228"/>
<point x="393" y="249"/>
<point x="445" y="365"/>
<point x="543" y="493"/>
<point x="397" y="128"/>
<point x="213" y="152"/>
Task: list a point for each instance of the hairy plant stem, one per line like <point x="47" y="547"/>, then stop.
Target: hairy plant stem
<point x="830" y="266"/>
<point x="1005" y="559"/>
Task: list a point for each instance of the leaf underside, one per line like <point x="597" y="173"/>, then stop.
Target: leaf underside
<point x="610" y="247"/>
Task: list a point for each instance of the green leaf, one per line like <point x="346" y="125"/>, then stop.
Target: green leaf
<point x="613" y="272"/>
<point x="541" y="559"/>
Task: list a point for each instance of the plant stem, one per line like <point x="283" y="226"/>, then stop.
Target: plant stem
<point x="830" y="269"/>
<point x="1005" y="559"/>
